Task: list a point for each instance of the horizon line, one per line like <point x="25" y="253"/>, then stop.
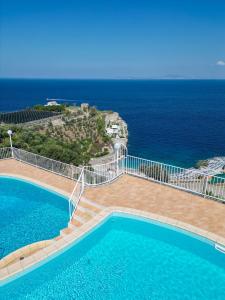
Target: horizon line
<point x="102" y="78"/>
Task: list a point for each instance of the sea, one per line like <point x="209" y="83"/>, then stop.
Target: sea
<point x="172" y="121"/>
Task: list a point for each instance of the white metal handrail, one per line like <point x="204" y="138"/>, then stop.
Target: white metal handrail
<point x="104" y="173"/>
<point x="76" y="194"/>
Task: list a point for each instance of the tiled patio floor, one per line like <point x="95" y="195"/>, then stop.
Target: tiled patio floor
<point x="135" y="193"/>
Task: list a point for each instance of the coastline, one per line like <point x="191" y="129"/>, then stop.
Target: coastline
<point x="214" y="166"/>
<point x="171" y="121"/>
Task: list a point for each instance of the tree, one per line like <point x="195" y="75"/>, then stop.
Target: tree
<point x="54" y="108"/>
<point x="201" y="163"/>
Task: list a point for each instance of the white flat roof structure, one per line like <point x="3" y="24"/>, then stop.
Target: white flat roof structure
<point x="51" y="103"/>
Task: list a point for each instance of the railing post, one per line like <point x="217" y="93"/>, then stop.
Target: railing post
<point x="36" y="159"/>
<point x="205" y="185"/>
<point x="82" y="180"/>
<point x="161" y="174"/>
<point x="19" y="155"/>
<point x="117" y="162"/>
<point x="72" y="172"/>
<point x="10" y="139"/>
<point x="117" y="148"/>
<point x="124" y="165"/>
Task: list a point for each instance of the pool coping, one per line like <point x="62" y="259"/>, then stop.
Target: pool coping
<point x="28" y="263"/>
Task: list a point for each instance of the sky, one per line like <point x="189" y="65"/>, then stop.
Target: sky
<point x="115" y="39"/>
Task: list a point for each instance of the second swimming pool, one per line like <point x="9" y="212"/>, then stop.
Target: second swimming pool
<point x="128" y="258"/>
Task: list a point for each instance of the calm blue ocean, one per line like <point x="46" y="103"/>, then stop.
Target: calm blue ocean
<point x="172" y="121"/>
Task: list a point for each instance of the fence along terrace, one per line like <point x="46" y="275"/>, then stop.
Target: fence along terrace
<point x="196" y="182"/>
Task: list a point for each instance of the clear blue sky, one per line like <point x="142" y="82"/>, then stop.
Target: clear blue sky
<point x="112" y="39"/>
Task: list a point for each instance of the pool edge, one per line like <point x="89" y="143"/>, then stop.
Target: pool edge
<point x="38" y="183"/>
<point x="26" y="248"/>
<point x="20" y="268"/>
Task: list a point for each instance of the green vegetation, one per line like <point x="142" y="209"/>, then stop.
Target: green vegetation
<point x="201" y="163"/>
<point x="74" y="138"/>
<point x="155" y="171"/>
<point x="53" y="108"/>
<point x="210" y="193"/>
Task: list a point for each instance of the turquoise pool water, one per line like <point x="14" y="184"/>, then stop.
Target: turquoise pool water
<point x="215" y="180"/>
<point x="128" y="258"/>
<point x="29" y="214"/>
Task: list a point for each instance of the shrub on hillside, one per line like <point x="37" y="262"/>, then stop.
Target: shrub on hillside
<point x="155" y="171"/>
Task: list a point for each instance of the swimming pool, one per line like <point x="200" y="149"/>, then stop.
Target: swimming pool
<point x="128" y="258"/>
<point x="29" y="213"/>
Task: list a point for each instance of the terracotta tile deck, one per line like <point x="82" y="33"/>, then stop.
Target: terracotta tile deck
<point x="136" y="193"/>
<point x="48" y="179"/>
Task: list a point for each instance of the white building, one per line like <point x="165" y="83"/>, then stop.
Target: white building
<point x="52" y="103"/>
<point x="114" y="129"/>
<point x="109" y="131"/>
<point x="84" y="106"/>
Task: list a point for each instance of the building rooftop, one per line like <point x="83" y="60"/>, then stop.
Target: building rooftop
<point x="52" y="103"/>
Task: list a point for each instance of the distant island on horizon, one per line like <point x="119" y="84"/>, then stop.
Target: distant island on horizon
<point x="176" y="77"/>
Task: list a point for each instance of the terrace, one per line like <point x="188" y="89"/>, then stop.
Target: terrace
<point x="123" y="191"/>
<point x="132" y="192"/>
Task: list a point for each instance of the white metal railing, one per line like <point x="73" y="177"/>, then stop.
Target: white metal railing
<point x="57" y="167"/>
<point x="104" y="173"/>
<point x="180" y="178"/>
<point x="76" y="194"/>
<point x="5" y="153"/>
<point x="184" y="179"/>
